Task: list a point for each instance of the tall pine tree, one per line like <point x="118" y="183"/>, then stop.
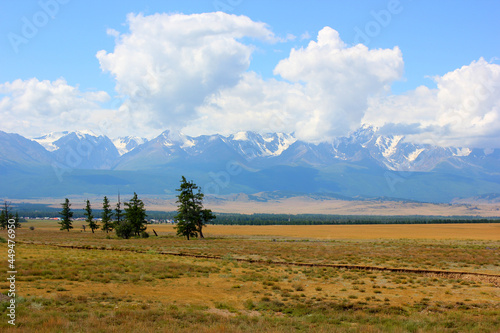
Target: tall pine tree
<point x="89" y="218"/>
<point x="135" y="214"/>
<point x="5" y="215"/>
<point x="3" y="220"/>
<point x="191" y="217"/>
<point x="66" y="214"/>
<point x="18" y="222"/>
<point x="107" y="215"/>
<point x="118" y="212"/>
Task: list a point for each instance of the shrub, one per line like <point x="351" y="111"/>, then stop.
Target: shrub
<point x="144" y="234"/>
<point x="298" y="287"/>
<point x="249" y="304"/>
<point x="32" y="228"/>
<point x="124" y="229"/>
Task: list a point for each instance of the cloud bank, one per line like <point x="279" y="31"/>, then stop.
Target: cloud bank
<point x="167" y="65"/>
<point x="191" y="73"/>
<point x="464" y="109"/>
<point x="36" y="107"/>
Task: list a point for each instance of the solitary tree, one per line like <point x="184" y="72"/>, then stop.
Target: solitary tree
<point x="18" y="222"/>
<point x="90" y="218"/>
<point x="191" y="217"/>
<point x="67" y="215"/>
<point x="118" y="212"/>
<point x="107" y="215"/>
<point x="135" y="214"/>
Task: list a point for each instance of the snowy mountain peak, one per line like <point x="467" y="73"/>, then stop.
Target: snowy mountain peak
<point x="171" y="138"/>
<point x="252" y="144"/>
<point x="83" y="134"/>
<point x="279" y="142"/>
<point x="414" y="155"/>
<point x="124" y="144"/>
<point x="47" y="141"/>
<point x="463" y="152"/>
<point x="388" y="144"/>
<point x="240" y="136"/>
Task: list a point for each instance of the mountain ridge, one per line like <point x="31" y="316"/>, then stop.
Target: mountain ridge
<point x="364" y="163"/>
<point x="390" y="151"/>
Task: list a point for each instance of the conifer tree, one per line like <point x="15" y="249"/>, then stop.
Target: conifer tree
<point x="191" y="217"/>
<point x="107" y="215"/>
<point x="3" y="220"/>
<point x="18" y="222"/>
<point x="5" y="215"/>
<point x="118" y="212"/>
<point x="135" y="214"/>
<point x="90" y="218"/>
<point x="66" y="213"/>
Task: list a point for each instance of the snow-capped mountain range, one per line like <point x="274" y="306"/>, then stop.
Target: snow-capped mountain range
<point x="87" y="144"/>
<point x="361" y="163"/>
<point x="391" y="152"/>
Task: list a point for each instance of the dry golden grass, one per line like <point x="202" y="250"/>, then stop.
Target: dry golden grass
<point x="129" y="286"/>
<point x="229" y="282"/>
<point x="480" y="231"/>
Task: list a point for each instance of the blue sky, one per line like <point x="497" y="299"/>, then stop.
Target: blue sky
<point x="433" y="38"/>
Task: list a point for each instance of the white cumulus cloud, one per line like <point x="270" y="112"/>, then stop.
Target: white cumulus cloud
<point x="464" y="109"/>
<point x="338" y="80"/>
<point x="325" y="92"/>
<point x="168" y="64"/>
<point x="32" y="107"/>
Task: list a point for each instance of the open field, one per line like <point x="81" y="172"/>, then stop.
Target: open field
<point x="480" y="231"/>
<point x="253" y="279"/>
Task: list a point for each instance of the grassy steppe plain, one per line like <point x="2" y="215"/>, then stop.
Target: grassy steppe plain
<point x="83" y="282"/>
